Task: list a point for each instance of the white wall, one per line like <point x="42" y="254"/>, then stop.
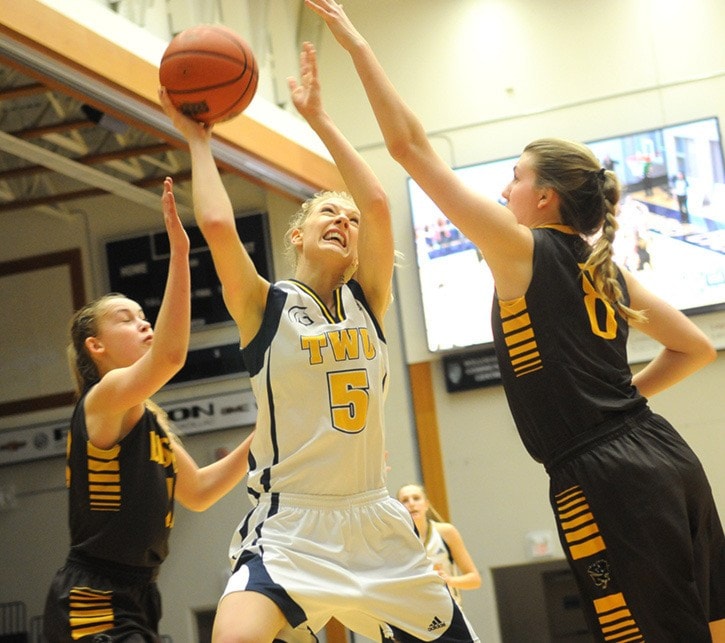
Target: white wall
<point x="486" y="76"/>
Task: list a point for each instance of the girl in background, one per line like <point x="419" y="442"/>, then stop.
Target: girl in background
<point x="442" y="541"/>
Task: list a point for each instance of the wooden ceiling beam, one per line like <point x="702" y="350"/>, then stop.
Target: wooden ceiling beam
<point x="41" y="29"/>
<point x="76" y="195"/>
<point x="91" y="159"/>
<point x="55" y="128"/>
<point x="11" y="93"/>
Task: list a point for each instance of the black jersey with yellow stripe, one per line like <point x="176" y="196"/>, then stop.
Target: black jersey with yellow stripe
<point x="121" y="499"/>
<point x="562" y="350"/>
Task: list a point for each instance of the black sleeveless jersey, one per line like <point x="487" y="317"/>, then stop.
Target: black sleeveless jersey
<point x="562" y="350"/>
<point x="121" y="500"/>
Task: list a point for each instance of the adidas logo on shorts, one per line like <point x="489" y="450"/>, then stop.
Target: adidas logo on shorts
<point x="436" y="624"/>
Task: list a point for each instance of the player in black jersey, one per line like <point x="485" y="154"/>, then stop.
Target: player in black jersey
<point x="635" y="510"/>
<point x="124" y="466"/>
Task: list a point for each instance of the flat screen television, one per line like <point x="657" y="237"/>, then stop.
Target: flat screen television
<point x="671" y="235"/>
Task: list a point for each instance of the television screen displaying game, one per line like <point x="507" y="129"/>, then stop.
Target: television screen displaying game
<point x="671" y="234"/>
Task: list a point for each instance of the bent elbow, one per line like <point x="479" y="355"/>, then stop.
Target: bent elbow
<point x="378" y="201"/>
<point x="701" y="355"/>
<point x="197" y="506"/>
<point x="215" y="226"/>
<point x="399" y="148"/>
<point x="200" y="506"/>
<point x="196" y="500"/>
<point x="408" y="143"/>
<point x="176" y="359"/>
<point x="709" y="353"/>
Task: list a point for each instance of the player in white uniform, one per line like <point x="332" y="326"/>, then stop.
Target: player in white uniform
<point x="440" y="556"/>
<point x="324" y="538"/>
<point x="443" y="542"/>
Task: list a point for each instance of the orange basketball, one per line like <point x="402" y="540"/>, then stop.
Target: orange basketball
<point x="209" y="72"/>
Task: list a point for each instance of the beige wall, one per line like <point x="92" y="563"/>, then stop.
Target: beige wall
<point x="487" y="77"/>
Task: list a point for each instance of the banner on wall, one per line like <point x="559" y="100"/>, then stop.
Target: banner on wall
<point x="190" y="417"/>
<point x="472" y="369"/>
<point x="33" y="442"/>
<point x="213" y="412"/>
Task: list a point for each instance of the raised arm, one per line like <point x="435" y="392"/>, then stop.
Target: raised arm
<point x="492" y="227"/>
<point x="173" y="323"/>
<point x="245" y="291"/>
<point x="115" y="404"/>
<point x="375" y="239"/>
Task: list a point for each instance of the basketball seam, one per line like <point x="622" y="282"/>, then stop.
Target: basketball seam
<point x="206" y="88"/>
<point x="211" y="54"/>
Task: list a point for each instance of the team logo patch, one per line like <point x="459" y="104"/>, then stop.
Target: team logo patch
<point x="436" y="624"/>
<point x="599" y="573"/>
<point x="298" y="314"/>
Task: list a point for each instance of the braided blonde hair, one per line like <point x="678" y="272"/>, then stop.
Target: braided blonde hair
<point x="588" y="196"/>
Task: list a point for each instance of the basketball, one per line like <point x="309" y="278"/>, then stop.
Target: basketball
<point x="209" y="72"/>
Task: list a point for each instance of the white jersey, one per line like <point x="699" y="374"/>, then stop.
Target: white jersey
<point x="324" y="538"/>
<point x="320" y="381"/>
<point x="440" y="556"/>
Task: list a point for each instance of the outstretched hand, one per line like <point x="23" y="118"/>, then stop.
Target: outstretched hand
<point x="306" y="94"/>
<point x="188" y="127"/>
<point x="178" y="239"/>
<point x="337" y="21"/>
